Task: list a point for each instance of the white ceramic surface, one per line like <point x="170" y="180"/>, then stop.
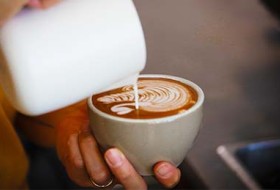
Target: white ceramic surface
<point x="148" y="141"/>
<point x="55" y="57"/>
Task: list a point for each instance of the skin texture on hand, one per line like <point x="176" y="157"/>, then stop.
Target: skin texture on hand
<point x="9" y="8"/>
<point x="80" y="154"/>
<point x="42" y="4"/>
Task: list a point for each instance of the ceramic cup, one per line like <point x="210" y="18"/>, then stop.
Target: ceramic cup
<point x="148" y="141"/>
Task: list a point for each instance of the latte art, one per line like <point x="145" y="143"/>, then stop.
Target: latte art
<point x="154" y="96"/>
<point x="157" y="97"/>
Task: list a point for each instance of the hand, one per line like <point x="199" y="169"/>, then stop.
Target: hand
<point x="79" y="153"/>
<point x="41" y="4"/>
<point x="8" y="8"/>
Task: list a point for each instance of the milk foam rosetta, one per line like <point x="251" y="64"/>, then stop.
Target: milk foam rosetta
<point x="157" y="97"/>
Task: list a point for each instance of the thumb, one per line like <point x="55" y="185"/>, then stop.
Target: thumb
<point x="167" y="174"/>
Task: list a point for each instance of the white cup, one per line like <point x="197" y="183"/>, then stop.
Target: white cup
<point x="148" y="141"/>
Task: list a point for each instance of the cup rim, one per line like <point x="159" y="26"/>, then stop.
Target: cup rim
<point x="198" y="104"/>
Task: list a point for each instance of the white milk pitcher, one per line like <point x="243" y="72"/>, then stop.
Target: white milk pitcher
<point x="55" y="57"/>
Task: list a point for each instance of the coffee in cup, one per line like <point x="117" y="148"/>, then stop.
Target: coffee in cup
<point x="161" y="127"/>
<point x="157" y="97"/>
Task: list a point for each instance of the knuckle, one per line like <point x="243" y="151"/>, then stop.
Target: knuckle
<point x="71" y="140"/>
<point x="100" y="177"/>
<point x="88" y="140"/>
<point x="100" y="173"/>
<point x="78" y="163"/>
<point x="125" y="176"/>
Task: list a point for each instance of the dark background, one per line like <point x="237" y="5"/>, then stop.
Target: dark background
<point x="232" y="50"/>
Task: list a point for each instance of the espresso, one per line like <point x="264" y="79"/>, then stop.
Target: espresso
<point x="157" y="97"/>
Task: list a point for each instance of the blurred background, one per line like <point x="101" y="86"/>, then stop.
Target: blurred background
<point x="232" y="50"/>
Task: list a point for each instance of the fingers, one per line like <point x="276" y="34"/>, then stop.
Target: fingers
<point x="123" y="170"/>
<point x="93" y="160"/>
<point x="34" y="3"/>
<point x="78" y="151"/>
<point x="74" y="163"/>
<point x="42" y="4"/>
<point x="48" y="3"/>
<point x="84" y="161"/>
<point x="167" y="174"/>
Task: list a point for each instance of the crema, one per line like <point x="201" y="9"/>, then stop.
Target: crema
<point x="157" y="97"/>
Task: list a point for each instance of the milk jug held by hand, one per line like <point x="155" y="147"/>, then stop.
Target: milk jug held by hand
<point x="55" y="57"/>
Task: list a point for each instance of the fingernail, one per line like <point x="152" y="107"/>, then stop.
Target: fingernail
<point x="164" y="170"/>
<point x="114" y="157"/>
